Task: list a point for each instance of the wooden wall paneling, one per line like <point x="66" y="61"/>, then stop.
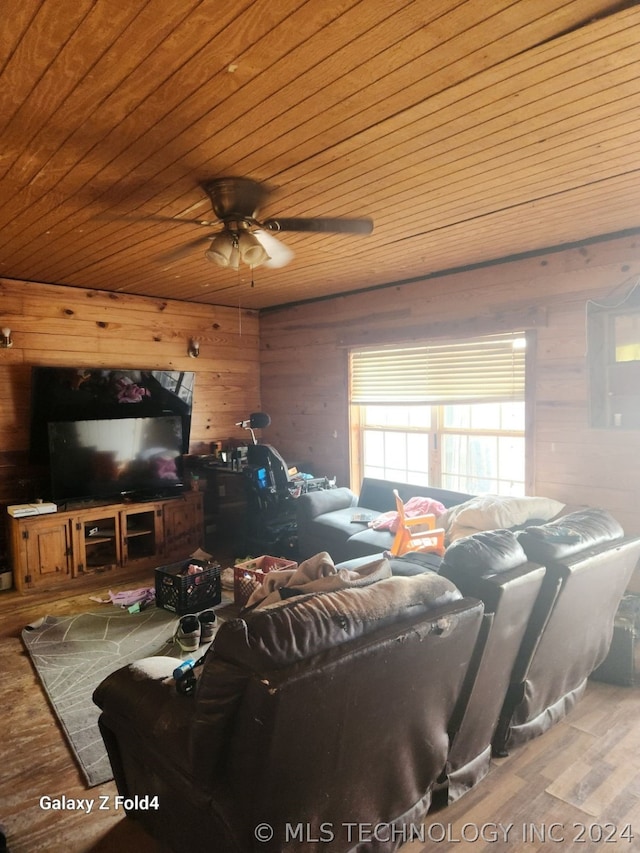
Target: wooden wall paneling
<point x="53" y="325"/>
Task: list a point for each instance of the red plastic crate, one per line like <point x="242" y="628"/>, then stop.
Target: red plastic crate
<point x="250" y="574"/>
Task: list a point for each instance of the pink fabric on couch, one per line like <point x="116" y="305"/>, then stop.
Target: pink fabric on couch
<point x="413" y="507"/>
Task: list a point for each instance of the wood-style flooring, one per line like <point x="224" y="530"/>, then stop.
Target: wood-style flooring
<point x="576" y="788"/>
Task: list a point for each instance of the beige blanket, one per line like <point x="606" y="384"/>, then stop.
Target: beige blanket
<point x="317" y="574"/>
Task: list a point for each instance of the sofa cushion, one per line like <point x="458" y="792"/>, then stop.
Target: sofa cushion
<point x="312" y="504"/>
<point x="331" y="531"/>
<point x="310" y="624"/>
<point x="367" y="541"/>
<point x="569" y="534"/>
<point x="495" y="512"/>
<point x="488" y="552"/>
<point x="378" y="494"/>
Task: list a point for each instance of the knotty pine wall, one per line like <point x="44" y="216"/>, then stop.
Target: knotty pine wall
<point x="304" y="364"/>
<point x="74" y="327"/>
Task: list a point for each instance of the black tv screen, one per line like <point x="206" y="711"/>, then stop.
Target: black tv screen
<point x="70" y="394"/>
<point x="139" y="458"/>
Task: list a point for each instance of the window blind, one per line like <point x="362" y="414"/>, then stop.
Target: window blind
<point x="483" y="370"/>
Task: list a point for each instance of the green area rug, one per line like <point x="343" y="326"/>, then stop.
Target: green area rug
<point x="73" y="654"/>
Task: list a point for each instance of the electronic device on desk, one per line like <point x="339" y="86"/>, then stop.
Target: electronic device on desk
<point x="23" y="510"/>
<point x="300" y="483"/>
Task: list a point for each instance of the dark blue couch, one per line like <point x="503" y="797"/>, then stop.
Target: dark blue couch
<point x="326" y="518"/>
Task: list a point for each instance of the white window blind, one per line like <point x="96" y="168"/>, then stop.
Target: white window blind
<point x="486" y="369"/>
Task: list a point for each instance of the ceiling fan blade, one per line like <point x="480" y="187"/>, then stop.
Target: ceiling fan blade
<point x="279" y="254"/>
<point x="186" y="249"/>
<point x="335" y="226"/>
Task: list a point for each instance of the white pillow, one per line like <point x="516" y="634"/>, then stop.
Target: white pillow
<point x="494" y="512"/>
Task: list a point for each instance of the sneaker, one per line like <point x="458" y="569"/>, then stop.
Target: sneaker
<point x="207" y="626"/>
<point x="187" y="634"/>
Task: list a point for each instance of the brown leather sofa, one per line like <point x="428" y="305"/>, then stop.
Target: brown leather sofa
<point x="310" y="718"/>
<point x="588" y="565"/>
<point x="550" y="594"/>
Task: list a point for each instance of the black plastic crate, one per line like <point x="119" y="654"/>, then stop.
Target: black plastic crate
<point x="182" y="593"/>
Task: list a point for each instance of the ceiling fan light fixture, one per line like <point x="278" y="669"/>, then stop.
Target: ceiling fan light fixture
<point x="234" y="258"/>
<point x="251" y="251"/>
<point x="221" y="249"/>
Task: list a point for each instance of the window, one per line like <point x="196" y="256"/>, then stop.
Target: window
<point x="449" y="415"/>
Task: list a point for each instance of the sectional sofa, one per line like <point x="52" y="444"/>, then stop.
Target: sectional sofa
<point x="344" y="524"/>
<point x="359" y="705"/>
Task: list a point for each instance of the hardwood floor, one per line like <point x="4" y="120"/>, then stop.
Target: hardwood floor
<point x="568" y="790"/>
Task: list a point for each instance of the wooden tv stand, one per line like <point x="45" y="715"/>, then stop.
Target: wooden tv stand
<point x="69" y="545"/>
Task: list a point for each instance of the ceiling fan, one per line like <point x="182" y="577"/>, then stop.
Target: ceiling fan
<point x="245" y="238"/>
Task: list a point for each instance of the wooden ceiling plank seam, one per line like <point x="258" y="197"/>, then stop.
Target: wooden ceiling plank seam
<point x="313" y="82"/>
<point x="432" y="105"/>
<point x="76" y="60"/>
<point x="153" y="80"/>
<point x="547" y="120"/>
<point x="80" y="204"/>
<point x="105" y="258"/>
<point x="506" y="206"/>
<point x="324" y="263"/>
<point x="325" y="124"/>
<point x="436" y="232"/>
<point x="171" y="118"/>
<point x="87" y="98"/>
<point x="496" y="163"/>
<point x="207" y="117"/>
<point x="520" y="222"/>
<point x="568" y="153"/>
<point x="14" y="29"/>
<point x="563" y="142"/>
<point x="454" y="154"/>
<point x="583" y="199"/>
<point x="47" y="26"/>
<point x="389" y="177"/>
<point x="570" y="165"/>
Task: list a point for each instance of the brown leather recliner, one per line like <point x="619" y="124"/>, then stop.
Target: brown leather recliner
<point x="310" y="720"/>
<point x="493" y="567"/>
<point x="588" y="565"/>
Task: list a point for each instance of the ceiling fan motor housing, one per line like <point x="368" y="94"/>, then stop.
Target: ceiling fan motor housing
<point x="235" y="198"/>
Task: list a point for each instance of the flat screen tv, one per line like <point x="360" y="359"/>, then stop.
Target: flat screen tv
<point x="126" y="458"/>
<point x="71" y="394"/>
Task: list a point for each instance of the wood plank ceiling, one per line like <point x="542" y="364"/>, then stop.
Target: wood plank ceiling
<point x="468" y="130"/>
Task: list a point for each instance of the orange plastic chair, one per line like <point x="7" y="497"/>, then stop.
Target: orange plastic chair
<point x="416" y="534"/>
